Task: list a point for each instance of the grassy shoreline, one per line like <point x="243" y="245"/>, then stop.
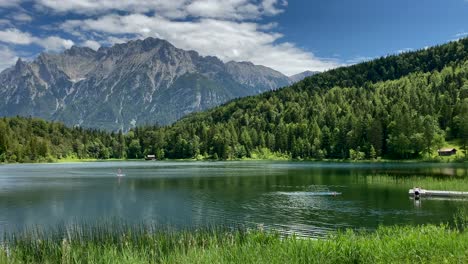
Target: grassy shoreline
<point x="396" y="244"/>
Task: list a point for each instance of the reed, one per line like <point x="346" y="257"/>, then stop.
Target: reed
<point x="426" y="182"/>
<point x="120" y="243"/>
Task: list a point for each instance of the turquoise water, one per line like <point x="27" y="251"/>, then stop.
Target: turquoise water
<point x="305" y="198"/>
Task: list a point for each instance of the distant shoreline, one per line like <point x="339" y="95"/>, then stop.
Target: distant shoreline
<point x="375" y="161"/>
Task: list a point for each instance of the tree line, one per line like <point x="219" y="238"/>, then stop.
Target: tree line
<point x="398" y="107"/>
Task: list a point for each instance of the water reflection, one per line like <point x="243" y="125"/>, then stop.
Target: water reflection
<point x="306" y="198"/>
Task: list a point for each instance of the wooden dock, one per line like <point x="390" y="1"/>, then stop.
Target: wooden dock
<point x="418" y="192"/>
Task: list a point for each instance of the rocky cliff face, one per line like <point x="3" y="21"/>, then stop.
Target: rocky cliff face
<point x="140" y="82"/>
<point x="256" y="77"/>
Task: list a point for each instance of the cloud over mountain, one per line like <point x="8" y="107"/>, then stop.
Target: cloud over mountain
<point x="230" y="29"/>
<point x="50" y="43"/>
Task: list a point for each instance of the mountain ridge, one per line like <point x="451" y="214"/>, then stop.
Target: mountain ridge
<point x="302" y="75"/>
<point x="128" y="84"/>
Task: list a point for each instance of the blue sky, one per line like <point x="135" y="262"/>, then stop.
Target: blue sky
<point x="370" y="28"/>
<point x="289" y="36"/>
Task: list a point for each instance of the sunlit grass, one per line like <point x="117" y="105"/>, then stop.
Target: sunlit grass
<point x="434" y="155"/>
<point x="123" y="244"/>
<point x="73" y="159"/>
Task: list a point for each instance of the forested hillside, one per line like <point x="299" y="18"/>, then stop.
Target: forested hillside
<point x="397" y="107"/>
<point x="29" y="139"/>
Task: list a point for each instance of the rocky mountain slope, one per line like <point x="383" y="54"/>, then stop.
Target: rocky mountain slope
<point x="300" y="76"/>
<point x="140" y="82"/>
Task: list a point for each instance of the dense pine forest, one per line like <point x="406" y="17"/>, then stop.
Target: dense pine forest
<point x="398" y="107"/>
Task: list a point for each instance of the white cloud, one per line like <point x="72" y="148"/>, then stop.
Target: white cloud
<point x="5" y="22"/>
<point x="230" y="9"/>
<point x="91" y="44"/>
<point x="212" y="8"/>
<point x="267" y="27"/>
<point x="51" y="43"/>
<point x="229" y="40"/>
<point x="169" y="8"/>
<point x="226" y="9"/>
<point x="270" y="7"/>
<point x="54" y="43"/>
<point x="9" y="3"/>
<point x="7" y="57"/>
<point x="22" y="17"/>
<point x="14" y="36"/>
<point x="228" y="29"/>
<point x="111" y="40"/>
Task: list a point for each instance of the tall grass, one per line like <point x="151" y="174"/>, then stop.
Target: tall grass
<point x="426" y="182"/>
<point x="118" y="243"/>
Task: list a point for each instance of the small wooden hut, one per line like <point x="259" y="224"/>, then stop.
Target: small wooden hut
<point x="150" y="157"/>
<point x="447" y="151"/>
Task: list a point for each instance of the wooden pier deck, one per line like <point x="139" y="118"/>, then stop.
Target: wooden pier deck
<point x="418" y="192"/>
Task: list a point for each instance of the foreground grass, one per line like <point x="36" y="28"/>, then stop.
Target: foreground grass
<point x="422" y="244"/>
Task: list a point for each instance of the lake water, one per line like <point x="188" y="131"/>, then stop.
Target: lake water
<point x="285" y="196"/>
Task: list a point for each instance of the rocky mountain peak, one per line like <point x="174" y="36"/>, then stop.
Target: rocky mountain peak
<point x="139" y="82"/>
<point x="139" y="46"/>
<point x="80" y="51"/>
<point x="246" y="63"/>
<point x="151" y="42"/>
<point x="20" y="65"/>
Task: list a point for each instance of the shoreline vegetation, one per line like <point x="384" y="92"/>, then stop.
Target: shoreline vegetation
<point x="380" y="161"/>
<point x="275" y="158"/>
<point x="267" y="155"/>
<point x="116" y="243"/>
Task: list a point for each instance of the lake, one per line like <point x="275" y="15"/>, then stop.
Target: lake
<point x="286" y="196"/>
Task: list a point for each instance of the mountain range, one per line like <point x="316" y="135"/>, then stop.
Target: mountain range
<point x="140" y="82"/>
